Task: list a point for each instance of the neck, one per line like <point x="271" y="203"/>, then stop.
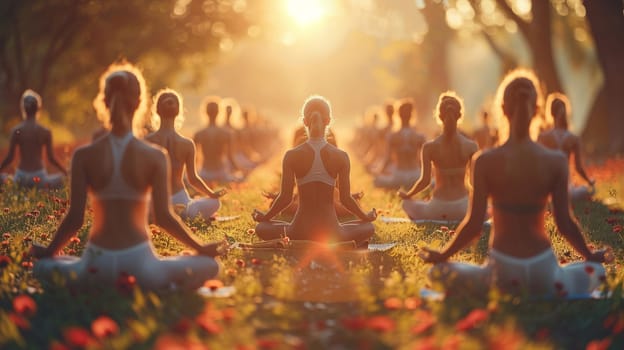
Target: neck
<point x="167" y="123"/>
<point x="449" y="133"/>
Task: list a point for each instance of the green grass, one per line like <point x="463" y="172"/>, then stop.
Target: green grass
<point x="355" y="301"/>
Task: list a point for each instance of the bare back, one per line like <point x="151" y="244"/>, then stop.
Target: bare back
<point x="214" y="142"/>
<point x="117" y="223"/>
<point x="406" y="145"/>
<point x="316" y="210"/>
<point x="180" y="150"/>
<point x="520" y="180"/>
<point x="450" y="159"/>
<point x="31" y="138"/>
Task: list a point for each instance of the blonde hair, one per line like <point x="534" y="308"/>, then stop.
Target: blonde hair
<point x="314" y="106"/>
<point x="155" y="118"/>
<point x="127" y="79"/>
<point x="505" y="94"/>
<point x="550" y="100"/>
<point x="446" y="98"/>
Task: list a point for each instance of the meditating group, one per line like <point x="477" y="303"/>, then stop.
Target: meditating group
<point x="125" y="176"/>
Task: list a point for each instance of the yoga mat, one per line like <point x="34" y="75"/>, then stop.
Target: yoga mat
<point x="225" y="218"/>
<point x="223" y="292"/>
<point x="433" y="295"/>
<point x="393" y="220"/>
<point x="280" y="244"/>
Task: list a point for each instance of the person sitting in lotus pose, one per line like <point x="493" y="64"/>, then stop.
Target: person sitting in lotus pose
<point x="315" y="166"/>
<point x="560" y="138"/>
<point x="31" y="138"/>
<point x="450" y="154"/>
<point x="519" y="177"/>
<point x="168" y="107"/>
<point x="121" y="172"/>
<point x="404" y="148"/>
<point x="216" y="145"/>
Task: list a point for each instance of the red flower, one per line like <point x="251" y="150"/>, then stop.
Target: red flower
<point x="412" y="303"/>
<point x="36" y="179"/>
<point x="77" y="337"/>
<point x="256" y="261"/>
<point x="355" y="323"/>
<point x="24" y="305"/>
<point x="208" y="324"/>
<point x="617" y="228"/>
<point x="213" y="284"/>
<point x="55" y="345"/>
<point x="602" y="344"/>
<point x="104" y="327"/>
<point x="589" y="269"/>
<point x="266" y="343"/>
<point x="4" y="261"/>
<point x="393" y="303"/>
<point x="182" y="326"/>
<point x="6" y="235"/>
<point x="74" y="240"/>
<point x="19" y="321"/>
<point x="125" y="282"/>
<point x="425" y="320"/>
<point x="5" y="243"/>
<point x="240" y="263"/>
<point x="6" y="210"/>
<point x="27" y="264"/>
<point x="381" y="323"/>
<point x="251" y="231"/>
<point x="472" y="320"/>
<point x="444" y="228"/>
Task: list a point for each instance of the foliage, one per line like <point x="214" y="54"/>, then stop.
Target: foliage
<point x="59" y="48"/>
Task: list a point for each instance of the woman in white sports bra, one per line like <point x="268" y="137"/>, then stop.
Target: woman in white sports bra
<point x="404" y="147"/>
<point x="560" y="138"/>
<point x="120" y="172"/>
<point x="519" y="178"/>
<point x="315" y="166"/>
<point x="450" y="154"/>
<point x="181" y="150"/>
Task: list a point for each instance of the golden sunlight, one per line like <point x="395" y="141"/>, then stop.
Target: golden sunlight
<point x="307" y="12"/>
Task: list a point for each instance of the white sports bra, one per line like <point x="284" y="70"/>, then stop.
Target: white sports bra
<point x="117" y="188"/>
<point x="317" y="172"/>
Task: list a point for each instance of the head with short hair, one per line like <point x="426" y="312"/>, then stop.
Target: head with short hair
<point x="167" y="105"/>
<point x="558" y="109"/>
<point x="123" y="94"/>
<point x="210" y="107"/>
<point x="389" y="109"/>
<point x="31" y="103"/>
<point x="316" y="115"/>
<point x="406" y="110"/>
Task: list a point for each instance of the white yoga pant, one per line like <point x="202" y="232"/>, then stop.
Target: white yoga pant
<point x="27" y="179"/>
<point x="99" y="267"/>
<point x="436" y="209"/>
<point x="540" y="275"/>
<point x="578" y="193"/>
<point x="399" y="178"/>
<point x="205" y="207"/>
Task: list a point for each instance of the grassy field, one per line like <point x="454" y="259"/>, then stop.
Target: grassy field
<point x="293" y="300"/>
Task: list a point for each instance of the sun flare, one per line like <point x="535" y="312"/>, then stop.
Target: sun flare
<point x="307" y="12"/>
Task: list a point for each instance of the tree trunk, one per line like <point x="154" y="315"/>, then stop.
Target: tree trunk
<point x="606" y="21"/>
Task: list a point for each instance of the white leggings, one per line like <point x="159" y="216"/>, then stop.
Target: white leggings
<point x="205" y="207"/>
<point x="436" y="209"/>
<point x="99" y="267"/>
<point x="540" y="275"/>
<point x="27" y="179"/>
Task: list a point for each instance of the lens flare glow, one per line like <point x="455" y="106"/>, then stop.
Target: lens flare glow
<point x="307" y="12"/>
